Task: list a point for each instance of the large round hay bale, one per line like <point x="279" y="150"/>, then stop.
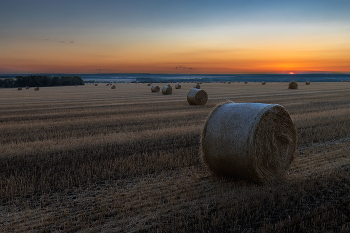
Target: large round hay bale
<point x="155" y="88"/>
<point x="197" y="86"/>
<point x="167" y="90"/>
<point x="113" y="86"/>
<point x="263" y="83"/>
<point x="307" y="82"/>
<point x="177" y="86"/>
<point x="293" y="85"/>
<point x="19" y="88"/>
<point x="249" y="140"/>
<point x="197" y="97"/>
<point x="36" y="88"/>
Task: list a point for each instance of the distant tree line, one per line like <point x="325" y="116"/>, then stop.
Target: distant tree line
<point x="41" y="81"/>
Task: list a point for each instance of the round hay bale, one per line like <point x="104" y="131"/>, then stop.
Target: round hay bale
<point x="229" y="83"/>
<point x="177" y="86"/>
<point x="167" y="90"/>
<point x="238" y="82"/>
<point x="95" y="84"/>
<point x="263" y="83"/>
<point x="200" y="82"/>
<point x="307" y="82"/>
<point x="36" y="88"/>
<point x="197" y="97"/>
<point x="224" y="82"/>
<point x="155" y="89"/>
<point x="19" y="88"/>
<point x="76" y="85"/>
<point x="245" y="82"/>
<point x="197" y="86"/>
<point x="220" y="81"/>
<point x="149" y="84"/>
<point x="107" y="84"/>
<point x="27" y="87"/>
<point x="347" y="80"/>
<point x="249" y="140"/>
<point x="293" y="85"/>
<point x="113" y="87"/>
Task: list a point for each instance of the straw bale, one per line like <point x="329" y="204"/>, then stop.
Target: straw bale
<point x="177" y="86"/>
<point x="95" y="84"/>
<point x="19" y="88"/>
<point x="224" y="82"/>
<point x="167" y="90"/>
<point x="200" y="82"/>
<point x="237" y="81"/>
<point x="249" y="140"/>
<point x="197" y="97"/>
<point x="293" y="85"/>
<point x="220" y="81"/>
<point x="148" y="84"/>
<point x="245" y="82"/>
<point x="263" y="83"/>
<point x="36" y="88"/>
<point x="197" y="86"/>
<point x="27" y="87"/>
<point x="229" y="83"/>
<point x="107" y="84"/>
<point x="113" y="87"/>
<point x="155" y="88"/>
<point x="307" y="82"/>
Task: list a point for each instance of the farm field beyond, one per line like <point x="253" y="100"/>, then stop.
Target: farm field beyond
<point x="92" y="158"/>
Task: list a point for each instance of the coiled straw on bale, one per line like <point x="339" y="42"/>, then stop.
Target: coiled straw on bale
<point x="167" y="90"/>
<point x="197" y="97"/>
<point x="36" y="88"/>
<point x="177" y="86"/>
<point x="307" y="82"/>
<point x="249" y="140"/>
<point x="197" y="86"/>
<point x="155" y="89"/>
<point x="293" y="85"/>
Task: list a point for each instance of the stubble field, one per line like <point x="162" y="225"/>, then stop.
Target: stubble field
<point x="90" y="158"/>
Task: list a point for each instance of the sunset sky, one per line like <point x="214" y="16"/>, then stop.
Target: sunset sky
<point x="127" y="36"/>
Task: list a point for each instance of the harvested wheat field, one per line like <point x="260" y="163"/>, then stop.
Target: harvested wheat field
<point x="128" y="160"/>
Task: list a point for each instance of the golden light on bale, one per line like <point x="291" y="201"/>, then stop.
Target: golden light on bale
<point x="263" y="83"/>
<point x="27" y="87"/>
<point x="19" y="88"/>
<point x="197" y="97"/>
<point x="177" y="86"/>
<point x="167" y="90"/>
<point x="249" y="140"/>
<point x="113" y="87"/>
<point x="155" y="88"/>
<point x="36" y="88"/>
<point x="197" y="86"/>
<point x="293" y="85"/>
<point x="307" y="82"/>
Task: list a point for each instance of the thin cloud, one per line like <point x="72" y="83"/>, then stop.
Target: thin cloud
<point x="62" y="41"/>
<point x="72" y="42"/>
<point x="183" y="68"/>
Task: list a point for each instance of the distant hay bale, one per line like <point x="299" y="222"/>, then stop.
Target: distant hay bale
<point x="76" y="85"/>
<point x="293" y="85"/>
<point x="220" y="81"/>
<point x="113" y="87"/>
<point x="167" y="90"/>
<point x="197" y="97"/>
<point x="245" y="82"/>
<point x="200" y="82"/>
<point x="229" y="83"/>
<point x="27" y="87"/>
<point x="177" y="86"/>
<point x="237" y="81"/>
<point x="197" y="86"/>
<point x="307" y="82"/>
<point x="19" y="88"/>
<point x="249" y="140"/>
<point x="224" y="82"/>
<point x="347" y="80"/>
<point x="263" y="83"/>
<point x="149" y="84"/>
<point x="95" y="84"/>
<point x="36" y="88"/>
<point x="107" y="84"/>
<point x="155" y="89"/>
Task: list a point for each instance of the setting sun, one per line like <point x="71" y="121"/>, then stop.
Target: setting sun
<point x="291" y="72"/>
